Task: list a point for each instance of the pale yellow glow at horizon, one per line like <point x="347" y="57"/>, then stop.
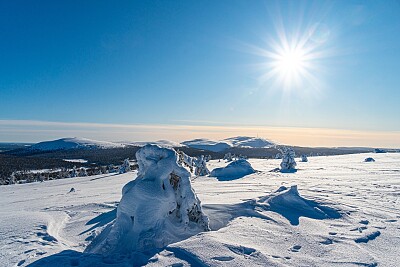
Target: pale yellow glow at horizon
<point x="35" y="131"/>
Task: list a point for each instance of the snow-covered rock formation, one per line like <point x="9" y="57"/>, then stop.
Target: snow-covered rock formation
<point x="304" y="158"/>
<point x="288" y="163"/>
<point x="159" y="207"/>
<point x="234" y="170"/>
<point x="125" y="167"/>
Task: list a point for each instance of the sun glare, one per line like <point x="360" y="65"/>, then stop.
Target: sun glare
<point x="291" y="61"/>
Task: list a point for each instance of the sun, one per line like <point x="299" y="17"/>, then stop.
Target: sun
<point x="291" y="61"/>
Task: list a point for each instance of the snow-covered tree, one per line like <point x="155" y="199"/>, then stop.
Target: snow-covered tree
<point x="278" y="156"/>
<point x="157" y="208"/>
<point x="82" y="172"/>
<point x="11" y="179"/>
<point x="228" y="157"/>
<point x="201" y="167"/>
<point x="304" y="158"/>
<point x="73" y="173"/>
<point x="125" y="167"/>
<point x="288" y="162"/>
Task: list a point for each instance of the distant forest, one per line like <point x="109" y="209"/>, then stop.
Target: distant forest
<point x="18" y="161"/>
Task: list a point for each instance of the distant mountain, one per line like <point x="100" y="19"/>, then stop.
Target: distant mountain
<point x="219" y="146"/>
<point x="164" y="143"/>
<point x="207" y="144"/>
<point x="250" y="142"/>
<point x="73" y="143"/>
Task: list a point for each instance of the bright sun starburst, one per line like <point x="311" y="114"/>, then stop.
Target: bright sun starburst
<point x="290" y="62"/>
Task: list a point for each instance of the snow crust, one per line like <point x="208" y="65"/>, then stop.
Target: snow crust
<point x="159" y="207"/>
<point x="234" y="170"/>
<point x="73" y="143"/>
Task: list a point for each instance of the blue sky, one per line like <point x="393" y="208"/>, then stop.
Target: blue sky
<point x="198" y="63"/>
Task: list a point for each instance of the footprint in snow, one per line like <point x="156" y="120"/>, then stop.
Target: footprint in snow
<point x="223" y="258"/>
<point x="328" y="241"/>
<point x="368" y="237"/>
<point x="295" y="248"/>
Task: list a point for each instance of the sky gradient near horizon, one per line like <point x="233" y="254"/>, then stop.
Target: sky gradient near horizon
<point x="200" y="64"/>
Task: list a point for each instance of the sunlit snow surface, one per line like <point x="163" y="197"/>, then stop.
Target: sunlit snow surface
<point x="42" y="224"/>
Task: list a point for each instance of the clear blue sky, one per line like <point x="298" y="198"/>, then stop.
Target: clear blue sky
<point x="194" y="62"/>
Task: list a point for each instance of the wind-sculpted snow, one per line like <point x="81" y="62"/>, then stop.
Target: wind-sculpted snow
<point x="253" y="223"/>
<point x="159" y="207"/>
<point x="289" y="203"/>
<point x="234" y="170"/>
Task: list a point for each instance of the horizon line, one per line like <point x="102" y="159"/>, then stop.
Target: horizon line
<point x="28" y="131"/>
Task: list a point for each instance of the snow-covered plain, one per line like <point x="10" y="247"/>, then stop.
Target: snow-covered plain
<point x="42" y="224"/>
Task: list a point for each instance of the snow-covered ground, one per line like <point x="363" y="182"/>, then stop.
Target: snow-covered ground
<point x="44" y="224"/>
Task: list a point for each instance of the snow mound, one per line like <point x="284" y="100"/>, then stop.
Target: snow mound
<point x="234" y="170"/>
<point x="73" y="143"/>
<point x="159" y="207"/>
<point x="251" y="142"/>
<point x="207" y="144"/>
<point x="292" y="206"/>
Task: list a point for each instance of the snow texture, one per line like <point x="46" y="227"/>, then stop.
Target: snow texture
<point x="43" y="225"/>
<point x="159" y="207"/>
<point x="234" y="170"/>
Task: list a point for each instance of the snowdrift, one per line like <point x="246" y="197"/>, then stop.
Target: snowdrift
<point x="292" y="206"/>
<point x="159" y="207"/>
<point x="234" y="170"/>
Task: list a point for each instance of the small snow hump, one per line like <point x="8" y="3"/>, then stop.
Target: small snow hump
<point x="157" y="208"/>
<point x="71" y="190"/>
<point x="234" y="170"/>
<point x="292" y="206"/>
